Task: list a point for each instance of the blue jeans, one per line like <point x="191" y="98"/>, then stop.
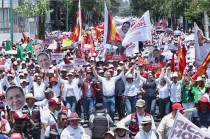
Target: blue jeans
<point x="164" y="106"/>
<point x="71" y="103"/>
<point x="109" y="104"/>
<point x="130" y="103"/>
<point x="89" y="106"/>
<point x="150" y="105"/>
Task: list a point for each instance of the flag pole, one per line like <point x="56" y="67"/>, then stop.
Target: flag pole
<point x="67" y="15"/>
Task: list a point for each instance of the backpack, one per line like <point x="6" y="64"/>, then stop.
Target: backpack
<point x="100" y="126"/>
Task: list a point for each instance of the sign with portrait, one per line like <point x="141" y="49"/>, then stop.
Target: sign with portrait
<point x="43" y="60"/>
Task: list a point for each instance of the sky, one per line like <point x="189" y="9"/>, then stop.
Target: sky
<point x="125" y="0"/>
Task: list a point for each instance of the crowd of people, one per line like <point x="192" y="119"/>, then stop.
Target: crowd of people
<point x="39" y="93"/>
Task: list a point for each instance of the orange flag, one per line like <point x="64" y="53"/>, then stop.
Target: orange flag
<point x="25" y="38"/>
<point x="182" y="52"/>
<point x="202" y="68"/>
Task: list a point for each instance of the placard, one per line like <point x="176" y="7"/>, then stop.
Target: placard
<point x="116" y="57"/>
<point x="56" y="56"/>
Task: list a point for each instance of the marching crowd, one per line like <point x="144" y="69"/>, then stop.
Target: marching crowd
<point x="38" y="93"/>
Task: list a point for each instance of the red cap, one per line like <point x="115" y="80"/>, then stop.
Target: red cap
<point x="177" y="106"/>
<point x="144" y="75"/>
<point x="53" y="79"/>
<point x="204" y="99"/>
<point x="51" y="102"/>
<point x="19" y="116"/>
<point x="16" y="136"/>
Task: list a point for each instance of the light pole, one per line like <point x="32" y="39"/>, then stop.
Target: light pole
<point x="11" y="22"/>
<point x="67" y="15"/>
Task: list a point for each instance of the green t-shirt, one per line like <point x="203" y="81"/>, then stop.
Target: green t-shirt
<point x="198" y="92"/>
<point x="187" y="96"/>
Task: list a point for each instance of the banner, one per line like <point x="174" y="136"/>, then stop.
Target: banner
<point x="79" y="61"/>
<point x="116" y="57"/>
<point x="142" y="61"/>
<point x="140" y="31"/>
<point x="68" y="66"/>
<point x="56" y="56"/>
<point x="155" y="66"/>
<point x="185" y="129"/>
<point x="202" y="46"/>
<point x="132" y="49"/>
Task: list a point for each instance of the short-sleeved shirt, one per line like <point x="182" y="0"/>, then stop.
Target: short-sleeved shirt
<point x="71" y="133"/>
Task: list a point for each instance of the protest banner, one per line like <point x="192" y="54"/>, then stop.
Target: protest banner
<point x="142" y="61"/>
<point x="140" y="31"/>
<point x="155" y="66"/>
<point x="68" y="66"/>
<point x="79" y="61"/>
<point x="115" y="57"/>
<point x="56" y="56"/>
<point x="185" y="129"/>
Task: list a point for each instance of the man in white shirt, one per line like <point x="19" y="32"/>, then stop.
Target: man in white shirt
<point x="147" y="132"/>
<point x="73" y="130"/>
<point x="39" y="87"/>
<point x="108" y="85"/>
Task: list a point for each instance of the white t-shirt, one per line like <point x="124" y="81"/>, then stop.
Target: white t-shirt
<point x="147" y="135"/>
<point x="71" y="133"/>
<point x="47" y="131"/>
<point x="39" y="91"/>
<point x="47" y="117"/>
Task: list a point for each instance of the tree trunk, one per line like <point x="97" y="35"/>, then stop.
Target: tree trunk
<point x="41" y="28"/>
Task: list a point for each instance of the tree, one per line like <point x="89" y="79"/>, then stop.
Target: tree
<point x="29" y="8"/>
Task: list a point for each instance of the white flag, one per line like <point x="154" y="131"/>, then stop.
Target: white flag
<point x="202" y="46"/>
<point x="140" y="31"/>
<point x="185" y="129"/>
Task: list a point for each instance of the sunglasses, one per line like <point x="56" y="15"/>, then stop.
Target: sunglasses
<point x="63" y="119"/>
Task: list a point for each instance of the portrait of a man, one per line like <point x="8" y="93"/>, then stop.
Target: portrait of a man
<point x="38" y="48"/>
<point x="15" y="97"/>
<point x="43" y="60"/>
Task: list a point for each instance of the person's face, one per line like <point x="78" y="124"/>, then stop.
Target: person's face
<point x="23" y="66"/>
<point x="118" y="44"/>
<point x="24" y="84"/>
<point x="10" y="79"/>
<point x="70" y="78"/>
<point x="38" y="49"/>
<point x="108" y="136"/>
<point x="162" y="82"/>
<point x="175" y="79"/>
<point x="108" y="75"/>
<point x="121" y="132"/>
<point x="62" y="120"/>
<point x="57" y="107"/>
<point x="88" y="77"/>
<point x="130" y="80"/>
<point x="48" y="95"/>
<point x="38" y="80"/>
<point x="15" y="99"/>
<point x="74" y="123"/>
<point x="150" y="76"/>
<point x="125" y="28"/>
<point x="204" y="106"/>
<point x="44" y="61"/>
<point x="30" y="101"/>
<point x="146" y="127"/>
<point x="140" y="110"/>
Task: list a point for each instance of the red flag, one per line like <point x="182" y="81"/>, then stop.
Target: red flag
<point x="25" y="38"/>
<point x="202" y="68"/>
<point x="172" y="63"/>
<point x="92" y="45"/>
<point x="182" y="52"/>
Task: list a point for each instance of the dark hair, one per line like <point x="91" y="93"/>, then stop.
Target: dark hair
<point x="127" y="23"/>
<point x="13" y="87"/>
<point x="43" y="53"/>
<point x="61" y="113"/>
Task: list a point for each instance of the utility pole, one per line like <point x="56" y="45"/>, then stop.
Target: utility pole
<point x="206" y="24"/>
<point x="67" y="15"/>
<point x="11" y="22"/>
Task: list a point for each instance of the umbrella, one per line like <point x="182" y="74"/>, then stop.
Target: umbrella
<point x="177" y="33"/>
<point x="12" y="52"/>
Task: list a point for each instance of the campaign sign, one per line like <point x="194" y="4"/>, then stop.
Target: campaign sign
<point x="155" y="66"/>
<point x="115" y="57"/>
<point x="56" y="56"/>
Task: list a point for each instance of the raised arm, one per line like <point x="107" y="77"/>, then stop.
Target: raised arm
<point x="120" y="75"/>
<point x="161" y="75"/>
<point x="96" y="74"/>
<point x="140" y="77"/>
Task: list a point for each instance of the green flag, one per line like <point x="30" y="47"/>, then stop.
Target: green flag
<point x="20" y="53"/>
<point x="29" y="47"/>
<point x="8" y="45"/>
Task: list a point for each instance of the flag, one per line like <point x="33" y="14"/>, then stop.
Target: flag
<point x="140" y="31"/>
<point x="182" y="52"/>
<point x="202" y="46"/>
<point x="66" y="42"/>
<point x="173" y="63"/>
<point x="20" y="53"/>
<point x="8" y="45"/>
<point x="184" y="128"/>
<point x="111" y="33"/>
<point x="29" y="47"/>
<point x="92" y="45"/>
<point x="202" y="68"/>
<point x="25" y="38"/>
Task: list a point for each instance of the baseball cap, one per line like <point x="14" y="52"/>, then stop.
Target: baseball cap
<point x="57" y="100"/>
<point x="140" y="103"/>
<point x="203" y="99"/>
<point x="49" y="90"/>
<point x="53" y="79"/>
<point x="19" y="115"/>
<point x="146" y="119"/>
<point x="177" y="106"/>
<point x="74" y="116"/>
<point x="51" y="102"/>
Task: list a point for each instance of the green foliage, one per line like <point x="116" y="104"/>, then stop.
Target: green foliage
<point x="30" y="9"/>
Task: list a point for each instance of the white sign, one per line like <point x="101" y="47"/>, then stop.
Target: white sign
<point x="56" y="56"/>
<point x="80" y="61"/>
<point x="68" y="66"/>
<point x="140" y="31"/>
<point x="185" y="129"/>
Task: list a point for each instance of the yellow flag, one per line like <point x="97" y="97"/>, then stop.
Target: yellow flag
<point x="66" y="43"/>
